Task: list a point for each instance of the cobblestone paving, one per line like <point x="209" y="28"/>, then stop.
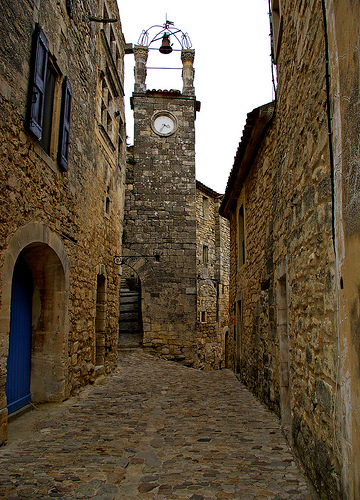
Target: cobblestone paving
<point x="153" y="429"/>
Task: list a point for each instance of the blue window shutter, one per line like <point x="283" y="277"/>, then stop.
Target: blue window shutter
<point x="37" y="83"/>
<point x="64" y="138"/>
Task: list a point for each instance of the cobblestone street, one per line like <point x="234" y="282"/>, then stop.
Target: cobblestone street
<point x="153" y="429"/>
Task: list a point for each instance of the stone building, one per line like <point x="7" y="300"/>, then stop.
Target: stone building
<point x="62" y="168"/>
<point x="159" y="240"/>
<point x="293" y="205"/>
<point x="165" y="228"/>
<point x="212" y="259"/>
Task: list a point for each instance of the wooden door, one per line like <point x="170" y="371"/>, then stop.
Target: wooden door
<point x="19" y="357"/>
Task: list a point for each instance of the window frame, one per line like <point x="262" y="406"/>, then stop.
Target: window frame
<point x="205" y="255"/>
<point x="241" y="236"/>
<point x="203" y="317"/>
<point x="58" y="134"/>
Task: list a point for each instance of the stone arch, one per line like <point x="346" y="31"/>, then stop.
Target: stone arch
<point x="145" y="268"/>
<point x="130" y="307"/>
<point x="46" y="257"/>
<point x="226" y="344"/>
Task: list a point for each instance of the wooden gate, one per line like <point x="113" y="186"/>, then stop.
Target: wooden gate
<point x="19" y="357"/>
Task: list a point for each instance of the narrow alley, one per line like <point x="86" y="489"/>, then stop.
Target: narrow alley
<point x="153" y="429"/>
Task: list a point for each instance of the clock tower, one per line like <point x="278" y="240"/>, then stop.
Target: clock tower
<point x="160" y="209"/>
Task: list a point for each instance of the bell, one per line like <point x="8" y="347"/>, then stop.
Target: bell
<point x="165" y="46"/>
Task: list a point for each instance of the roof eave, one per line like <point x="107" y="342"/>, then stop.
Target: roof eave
<point x="255" y="127"/>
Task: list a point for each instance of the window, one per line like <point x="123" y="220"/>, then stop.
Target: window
<point x="121" y="130"/>
<point x="70" y="7"/>
<point x="40" y="119"/>
<point x="106" y="106"/>
<point x="205" y="207"/>
<point x="202" y="316"/>
<point x="107" y="203"/>
<point x="276" y="25"/>
<point x="205" y="255"/>
<point x="241" y="236"/>
<point x="45" y="139"/>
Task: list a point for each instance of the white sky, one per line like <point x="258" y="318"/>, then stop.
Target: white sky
<point x="232" y="70"/>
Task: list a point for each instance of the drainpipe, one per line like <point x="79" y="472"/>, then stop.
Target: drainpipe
<point x="339" y="284"/>
<point x="330" y="134"/>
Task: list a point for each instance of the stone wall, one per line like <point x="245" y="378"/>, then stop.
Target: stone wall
<point x="212" y="237"/>
<point x="66" y="224"/>
<point x="344" y="68"/>
<point x="303" y="246"/>
<point x="283" y="295"/>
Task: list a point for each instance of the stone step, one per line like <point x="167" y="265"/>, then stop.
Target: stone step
<point x="129" y="326"/>
<point x="133" y="299"/>
<point x="127" y="340"/>
<point x="129" y="316"/>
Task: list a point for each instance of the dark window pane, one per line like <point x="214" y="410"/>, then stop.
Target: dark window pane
<point x="48" y="109"/>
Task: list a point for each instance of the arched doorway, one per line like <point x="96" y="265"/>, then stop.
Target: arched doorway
<point x="100" y="320"/>
<point x="227" y="351"/>
<point x="130" y="318"/>
<point x="35" y="288"/>
<point x="19" y="358"/>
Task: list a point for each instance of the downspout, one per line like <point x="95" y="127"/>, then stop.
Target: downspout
<point x="272" y="53"/>
<point x="328" y="109"/>
<point x="339" y="284"/>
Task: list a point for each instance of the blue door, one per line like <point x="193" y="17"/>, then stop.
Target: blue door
<point x="19" y="359"/>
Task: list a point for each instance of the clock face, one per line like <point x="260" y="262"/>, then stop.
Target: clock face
<point x="164" y="123"/>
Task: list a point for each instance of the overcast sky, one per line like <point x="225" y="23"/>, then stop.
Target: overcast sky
<point x="232" y="70"/>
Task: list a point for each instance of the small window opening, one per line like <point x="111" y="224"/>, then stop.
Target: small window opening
<point x="205" y="206"/>
<point x="241" y="229"/>
<point x="205" y="255"/>
<point x="121" y="131"/>
<point x="203" y="316"/>
<point x="107" y="206"/>
<point x="45" y="141"/>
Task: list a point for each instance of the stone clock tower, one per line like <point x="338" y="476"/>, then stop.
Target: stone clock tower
<point x="160" y="211"/>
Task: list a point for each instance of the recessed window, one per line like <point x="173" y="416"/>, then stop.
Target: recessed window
<point x="70" y="7"/>
<point x="45" y="139"/>
<point x="205" y="255"/>
<point x="106" y="106"/>
<point x="241" y="236"/>
<point x="107" y="205"/>
<point x="205" y="207"/>
<point x="40" y="117"/>
<point x="121" y="130"/>
<point x="202" y="316"/>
